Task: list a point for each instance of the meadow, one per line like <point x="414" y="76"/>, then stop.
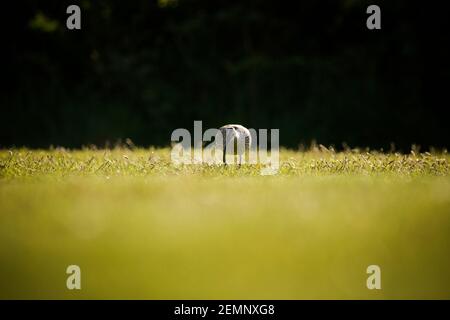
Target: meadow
<point x="142" y="228"/>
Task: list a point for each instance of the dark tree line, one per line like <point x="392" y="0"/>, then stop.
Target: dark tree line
<point x="139" y="69"/>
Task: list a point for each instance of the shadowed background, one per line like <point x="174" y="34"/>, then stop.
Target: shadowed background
<point x="140" y="69"/>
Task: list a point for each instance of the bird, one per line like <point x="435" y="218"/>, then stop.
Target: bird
<point x="236" y="140"/>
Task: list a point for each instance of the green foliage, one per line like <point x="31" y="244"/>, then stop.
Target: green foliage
<point x="143" y="68"/>
<point x="141" y="228"/>
<point x="43" y="23"/>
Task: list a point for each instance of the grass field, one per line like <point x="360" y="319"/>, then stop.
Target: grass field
<point x="139" y="227"/>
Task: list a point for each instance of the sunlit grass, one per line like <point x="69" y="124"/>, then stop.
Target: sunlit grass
<point x="140" y="227"/>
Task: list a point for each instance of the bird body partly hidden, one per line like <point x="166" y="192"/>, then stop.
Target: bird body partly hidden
<point x="235" y="139"/>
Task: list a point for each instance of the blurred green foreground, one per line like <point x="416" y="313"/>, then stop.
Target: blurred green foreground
<point x="140" y="228"/>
